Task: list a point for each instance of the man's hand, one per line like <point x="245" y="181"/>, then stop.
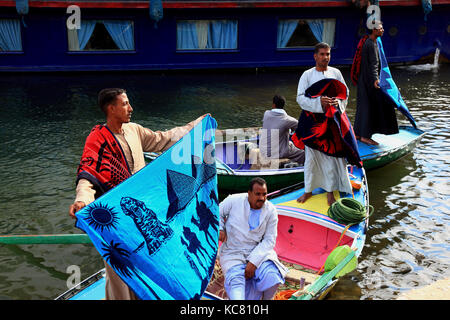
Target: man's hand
<point x="78" y="205"/>
<point x="222" y="236"/>
<point x="199" y="119"/>
<point x="249" y="270"/>
<point x="326" y="102"/>
<point x="377" y="84"/>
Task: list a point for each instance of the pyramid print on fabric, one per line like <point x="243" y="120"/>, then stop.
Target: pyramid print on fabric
<point x="158" y="229"/>
<point x="182" y="188"/>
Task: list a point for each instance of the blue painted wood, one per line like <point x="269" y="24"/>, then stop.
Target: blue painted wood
<point x="45" y="45"/>
<point x="93" y="288"/>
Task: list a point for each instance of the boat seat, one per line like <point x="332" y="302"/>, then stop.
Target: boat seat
<point x="260" y="162"/>
<point x="295" y="275"/>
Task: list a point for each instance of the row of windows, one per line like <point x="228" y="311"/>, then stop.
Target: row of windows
<point x="118" y="35"/>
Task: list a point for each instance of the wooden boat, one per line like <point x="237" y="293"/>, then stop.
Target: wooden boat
<point x="306" y="237"/>
<point x="238" y="160"/>
<point x="93" y="288"/>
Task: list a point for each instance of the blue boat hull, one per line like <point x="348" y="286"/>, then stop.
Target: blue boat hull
<point x="307" y="235"/>
<point x="93" y="288"/>
<point x="408" y="38"/>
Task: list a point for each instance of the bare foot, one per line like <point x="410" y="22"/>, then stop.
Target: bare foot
<point x="304" y="197"/>
<point x="330" y="198"/>
<point x="369" y="141"/>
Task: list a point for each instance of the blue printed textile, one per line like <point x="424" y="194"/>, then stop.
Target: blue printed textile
<point x="158" y="229"/>
<point x="388" y="86"/>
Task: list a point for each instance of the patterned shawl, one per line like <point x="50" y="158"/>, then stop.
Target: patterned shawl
<point x="103" y="162"/>
<point x="356" y="65"/>
<point x="330" y="132"/>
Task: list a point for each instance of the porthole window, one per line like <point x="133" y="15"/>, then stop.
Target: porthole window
<point x="393" y="31"/>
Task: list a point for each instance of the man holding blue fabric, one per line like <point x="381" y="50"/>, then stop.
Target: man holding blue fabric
<point x="374" y="112"/>
<point x="248" y="231"/>
<point x="112" y="153"/>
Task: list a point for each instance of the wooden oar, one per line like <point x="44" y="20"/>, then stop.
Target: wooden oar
<point x="322" y="281"/>
<point x="46" y="239"/>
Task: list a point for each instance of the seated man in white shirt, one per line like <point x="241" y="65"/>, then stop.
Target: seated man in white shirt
<point x="248" y="231"/>
<point x="274" y="140"/>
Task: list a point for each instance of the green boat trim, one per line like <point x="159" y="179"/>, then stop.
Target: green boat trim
<point x="391" y="148"/>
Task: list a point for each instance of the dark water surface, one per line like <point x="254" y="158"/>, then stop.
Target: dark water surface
<point x="45" y="118"/>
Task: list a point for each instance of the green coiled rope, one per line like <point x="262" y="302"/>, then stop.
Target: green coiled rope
<point x="348" y="211"/>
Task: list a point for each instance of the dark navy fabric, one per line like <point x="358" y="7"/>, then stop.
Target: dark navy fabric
<point x="330" y="132"/>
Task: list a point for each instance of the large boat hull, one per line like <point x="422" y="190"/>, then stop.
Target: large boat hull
<point x="45" y="46"/>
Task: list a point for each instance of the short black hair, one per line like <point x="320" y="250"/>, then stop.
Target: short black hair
<point x="279" y="101"/>
<point x="380" y="24"/>
<point x="321" y="45"/>
<point x="257" y="180"/>
<point x="107" y="96"/>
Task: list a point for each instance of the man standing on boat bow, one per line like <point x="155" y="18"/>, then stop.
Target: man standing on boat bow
<point x="374" y="113"/>
<point x="324" y="130"/>
<point x="112" y="153"/>
<point x="248" y="232"/>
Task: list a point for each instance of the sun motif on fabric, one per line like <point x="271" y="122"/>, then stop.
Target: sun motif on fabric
<point x="101" y="216"/>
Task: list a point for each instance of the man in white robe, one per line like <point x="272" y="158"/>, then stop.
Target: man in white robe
<point x="248" y="231"/>
<point x="321" y="170"/>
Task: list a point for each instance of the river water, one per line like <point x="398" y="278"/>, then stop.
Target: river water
<point x="45" y="118"/>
